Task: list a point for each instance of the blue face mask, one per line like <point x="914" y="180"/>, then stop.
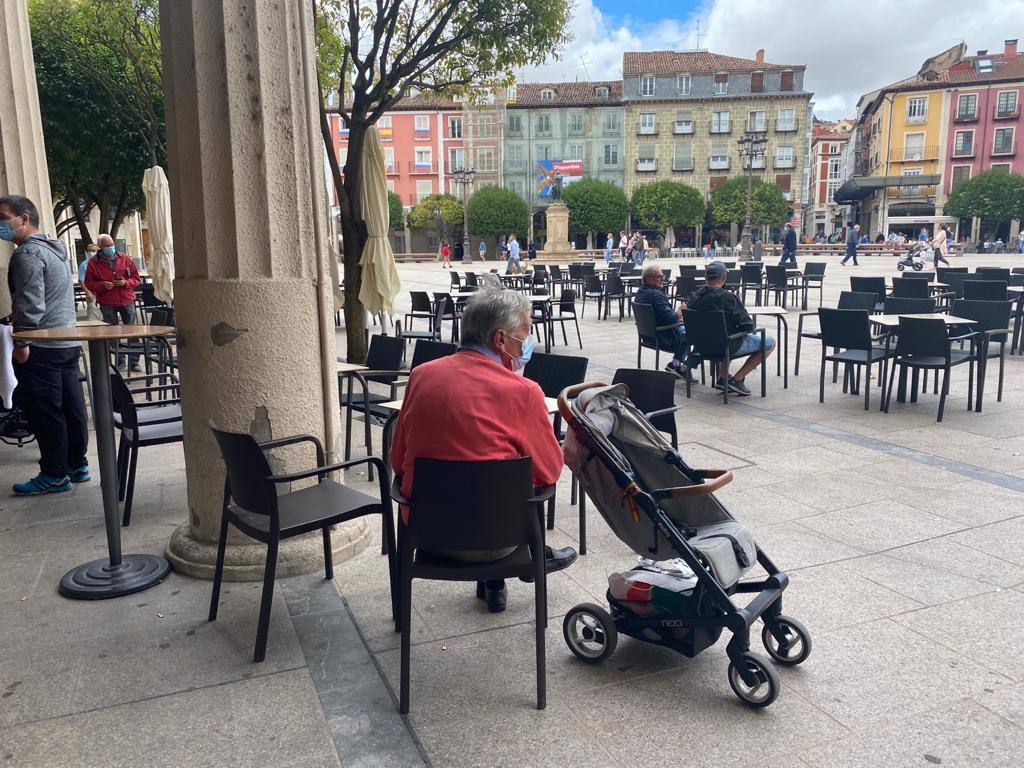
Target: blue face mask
<point x="109" y="250"/>
<point x="519" y="363"/>
<point x="6" y="233"/>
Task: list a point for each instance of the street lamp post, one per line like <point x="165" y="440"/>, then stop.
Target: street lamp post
<point x="464" y="176"/>
<point x="752" y="146"/>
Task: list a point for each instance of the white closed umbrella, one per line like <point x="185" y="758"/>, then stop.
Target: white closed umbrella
<point x="380" y="283"/>
<point x="161" y="241"/>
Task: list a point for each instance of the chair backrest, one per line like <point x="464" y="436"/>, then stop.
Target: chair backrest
<point x="844" y="328"/>
<point x="776" y="275"/>
<point x="540" y="269"/>
<point x="556" y="272"/>
<point x="989" y="315"/>
<point x="613" y="284"/>
<point x="922" y="337"/>
<point x="588" y="268"/>
<point x="815" y="268"/>
<point x="567" y="302"/>
<point x="427" y="350"/>
<point x="555" y="372"/>
<point x="162" y="316"/>
<point x="733" y="277"/>
<point x="420" y="301"/>
<point x="122" y="400"/>
<point x="908" y="288"/>
<point x="927" y="276"/>
<point x="471" y="278"/>
<point x="575" y="271"/>
<point x="705" y="331"/>
<point x="875" y="285"/>
<point x="456" y="280"/>
<point x="247" y="471"/>
<point x="751" y="273"/>
<point x="686" y="284"/>
<point x="443" y="305"/>
<point x="384" y="354"/>
<point x="955" y="281"/>
<point x="993" y="273"/>
<point x="592" y="284"/>
<point x="650" y="391"/>
<point x="472" y="505"/>
<point x="855" y="300"/>
<point x="943" y="271"/>
<point x="985" y="290"/>
<point x="540" y="278"/>
<point x="646" y="327"/>
<point x="729" y="264"/>
<point x="685" y="268"/>
<point x="905" y="305"/>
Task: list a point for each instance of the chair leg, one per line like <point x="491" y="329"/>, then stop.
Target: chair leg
<point x="578" y="337"/>
<point x="122" y="467"/>
<point x="945" y="390"/>
<point x="129" y="493"/>
<point x="551" y="514"/>
<point x="263" y="628"/>
<point x="218" y="570"/>
<point x="867" y="386"/>
<point x="540" y="623"/>
<point x="328" y="556"/>
<point x="405" y="621"/>
<point x="821" y="383"/>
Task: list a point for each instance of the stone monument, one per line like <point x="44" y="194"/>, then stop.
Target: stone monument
<point x="557" y="242"/>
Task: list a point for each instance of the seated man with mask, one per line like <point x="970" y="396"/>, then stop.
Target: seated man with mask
<point x="653" y="292"/>
<point x="475" y="406"/>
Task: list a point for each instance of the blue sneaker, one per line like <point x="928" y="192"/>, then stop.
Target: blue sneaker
<point x="80" y="475"/>
<point x="41" y="484"/>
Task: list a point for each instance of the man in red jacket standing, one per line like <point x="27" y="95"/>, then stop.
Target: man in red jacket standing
<point x="474" y="406"/>
<point x="112" y="277"/>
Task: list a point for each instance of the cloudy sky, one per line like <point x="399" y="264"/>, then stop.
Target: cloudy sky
<point x="850" y="47"/>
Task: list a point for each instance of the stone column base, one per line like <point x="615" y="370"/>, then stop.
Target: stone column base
<point x="246" y="561"/>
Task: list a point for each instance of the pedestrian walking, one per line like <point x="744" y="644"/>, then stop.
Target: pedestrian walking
<point x="446" y="255"/>
<point x="609" y="244"/>
<point x="483" y="251"/>
<point x="852" y="238"/>
<point x="940" y="245"/>
<point x="788" y="246"/>
<point x="513" y="256"/>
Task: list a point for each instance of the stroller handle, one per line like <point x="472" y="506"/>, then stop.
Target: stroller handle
<point x="563" y="397"/>
<point x="716" y="479"/>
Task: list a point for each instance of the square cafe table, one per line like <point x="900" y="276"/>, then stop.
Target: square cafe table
<point x="782" y="325"/>
<point x="116" y="574"/>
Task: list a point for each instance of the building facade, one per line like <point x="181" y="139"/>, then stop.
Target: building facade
<point x="684" y="112"/>
<point x="822" y="215"/>
<point x="572" y="130"/>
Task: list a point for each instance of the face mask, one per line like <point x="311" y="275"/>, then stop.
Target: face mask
<point x="518" y="364"/>
<point x="6" y="233"/>
<point x="109" y="250"/>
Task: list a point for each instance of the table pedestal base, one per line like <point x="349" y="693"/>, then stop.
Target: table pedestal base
<point x="98" y="580"/>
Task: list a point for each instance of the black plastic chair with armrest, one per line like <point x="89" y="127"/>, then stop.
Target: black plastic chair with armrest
<point x="909" y="288"/>
<point x="875" y="285"/>
<point x="781" y="284"/>
<point x="926" y="276"/>
<point x="992" y="324"/>
<point x="751" y="279"/>
<point x="848" y="332"/>
<point x="421" y="307"/>
<point x="470" y="506"/>
<point x="706" y="335"/>
<point x="613" y="289"/>
<point x="985" y="290"/>
<point x="813" y="276"/>
<point x="993" y="273"/>
<point x="252" y="504"/>
<point x="902" y="305"/>
<point x="592" y="289"/>
<point x="941" y="272"/>
<point x="384" y="354"/>
<point x="648" y="333"/>
<point x="847" y="300"/>
<point x="565" y="311"/>
<point x="654" y="393"/>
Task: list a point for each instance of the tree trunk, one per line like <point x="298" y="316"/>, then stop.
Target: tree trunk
<point x="81" y="216"/>
<point x="353" y="232"/>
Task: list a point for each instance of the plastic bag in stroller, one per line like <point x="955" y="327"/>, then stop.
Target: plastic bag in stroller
<point x="692" y="553"/>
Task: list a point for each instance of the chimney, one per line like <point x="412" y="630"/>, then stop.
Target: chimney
<point x="759" y="56"/>
<point x="1010" y="49"/>
<point x="983" y="52"/>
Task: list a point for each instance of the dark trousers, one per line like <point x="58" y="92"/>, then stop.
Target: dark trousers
<point x="787" y="256"/>
<point x="50" y="394"/>
<point x="675" y="340"/>
<point x="851" y="253"/>
<point x="126" y="316"/>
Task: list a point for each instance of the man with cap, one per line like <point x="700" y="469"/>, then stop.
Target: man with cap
<point x="712" y="296"/>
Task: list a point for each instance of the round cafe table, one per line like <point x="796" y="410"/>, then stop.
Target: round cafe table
<point x="116" y="574"/>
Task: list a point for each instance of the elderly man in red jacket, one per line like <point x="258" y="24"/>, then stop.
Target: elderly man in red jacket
<point x="112" y="278"/>
<point x="475" y="405"/>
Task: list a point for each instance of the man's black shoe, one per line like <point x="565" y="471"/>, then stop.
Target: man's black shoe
<point x="555" y="560"/>
<point x="737" y="386"/>
<point x="494" y="594"/>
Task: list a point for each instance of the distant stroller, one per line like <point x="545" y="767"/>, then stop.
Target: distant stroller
<point x="662" y="509"/>
<point x="918" y="252"/>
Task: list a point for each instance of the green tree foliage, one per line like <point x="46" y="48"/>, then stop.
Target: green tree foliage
<point x="662" y="204"/>
<point x="729" y="203"/>
<point x="101" y="97"/>
<point x="496" y="211"/>
<point x="395" y="212"/>
<point x="595" y="206"/>
<point x="425" y="215"/>
<point x="390" y="48"/>
<point x="993" y="194"/>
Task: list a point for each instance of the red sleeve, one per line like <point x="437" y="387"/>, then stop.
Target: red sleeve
<point x="399" y="440"/>
<point x="133" y="280"/>
<point x="541" y="443"/>
<point x="92" y="282"/>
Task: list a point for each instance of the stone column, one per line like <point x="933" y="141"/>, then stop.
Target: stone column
<point x="22" y="152"/>
<point x="251" y="291"/>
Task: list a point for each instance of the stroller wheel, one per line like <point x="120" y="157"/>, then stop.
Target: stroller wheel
<point x="798" y="644"/>
<point x="918" y="267"/>
<point x="590" y="633"/>
<point x="899" y="266"/>
<point x="764" y="691"/>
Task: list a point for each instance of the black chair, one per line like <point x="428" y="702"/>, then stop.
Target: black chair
<point x="813" y="277"/>
<point x="471" y="281"/>
<point x="575" y="280"/>
<point x="421" y="307"/>
<point x="900" y="305"/>
<point x="648" y="334"/>
<point x="592" y="289"/>
<point x="706" y="334"/>
<point x="253" y="506"/>
<point x="686" y="285"/>
<point x="848" y="331"/>
<point x="456" y="280"/>
<point x="781" y="283"/>
<point x="434" y="332"/>
<point x="985" y="290"/>
<point x="992" y="323"/>
<point x="565" y="311"/>
<point x="384" y="354"/>
<point x="452" y="312"/>
<point x="687" y="269"/>
<point x="729" y="264"/>
<point x="654" y="393"/>
<point x="925" y="344"/>
<point x="955" y="281"/>
<point x="993" y="273"/>
<point x="141" y="424"/>
<point x="909" y="288"/>
<point x="733" y="280"/>
<point x="926" y="276"/>
<point x="943" y="271"/>
<point x="751" y="279"/>
<point x="478" y="505"/>
<point x="847" y="300"/>
<point x="875" y="285"/>
<point x="613" y="290"/>
<point x="556" y="280"/>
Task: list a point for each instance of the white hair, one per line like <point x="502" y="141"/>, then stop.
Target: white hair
<point x="489" y="310"/>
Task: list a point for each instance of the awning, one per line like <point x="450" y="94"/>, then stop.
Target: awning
<point x="856" y="189"/>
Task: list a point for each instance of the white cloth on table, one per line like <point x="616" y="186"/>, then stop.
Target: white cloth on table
<point x="7" y="379"/>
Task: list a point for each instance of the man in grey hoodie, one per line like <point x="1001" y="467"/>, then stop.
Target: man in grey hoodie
<point x="49" y="392"/>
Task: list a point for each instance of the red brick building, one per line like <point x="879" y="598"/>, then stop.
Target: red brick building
<point x="821" y="215"/>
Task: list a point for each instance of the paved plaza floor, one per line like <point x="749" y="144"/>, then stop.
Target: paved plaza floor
<point x="904" y="540"/>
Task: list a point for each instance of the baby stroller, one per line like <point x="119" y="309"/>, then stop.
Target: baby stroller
<point x="915" y="257"/>
<point x="662" y="508"/>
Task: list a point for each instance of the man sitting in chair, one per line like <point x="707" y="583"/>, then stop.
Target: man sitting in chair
<point x="652" y="292"/>
<point x="713" y="296"/>
<point x="475" y="405"/>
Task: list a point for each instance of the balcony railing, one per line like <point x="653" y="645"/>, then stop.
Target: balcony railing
<point x="513" y="165"/>
<point x="647" y="130"/>
<point x="614" y="130"/>
<point x="966" y="117"/>
<point x="544" y="133"/>
<point x="683" y="127"/>
<point x="755" y="163"/>
<point x="917" y="119"/>
<point x="646" y="165"/>
<point x="682" y="164"/>
<point x="719" y="127"/>
<point x="913" y="154"/>
<point x="422" y="167"/>
<point x="1006" y="114"/>
<point x="718" y="163"/>
<point x="915" y="191"/>
<point x="786" y="126"/>
<point x="391" y="168"/>
<point x="757" y="126"/>
<point x="785" y="162"/>
<point x="1003" y="150"/>
<point x="965" y="151"/>
<point x="514" y="133"/>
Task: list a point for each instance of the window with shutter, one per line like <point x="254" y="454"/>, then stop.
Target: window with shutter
<point x="784" y="181"/>
<point x="721" y="83"/>
<point x="757" y="82"/>
<point x="786" y="81"/>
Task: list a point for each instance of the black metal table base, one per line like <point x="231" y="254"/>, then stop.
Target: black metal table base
<point x="99" y="580"/>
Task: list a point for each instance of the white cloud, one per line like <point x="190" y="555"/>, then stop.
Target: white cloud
<point x="849" y="48"/>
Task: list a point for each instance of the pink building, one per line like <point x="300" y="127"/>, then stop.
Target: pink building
<point x="984" y="121"/>
<point x="821" y="214"/>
